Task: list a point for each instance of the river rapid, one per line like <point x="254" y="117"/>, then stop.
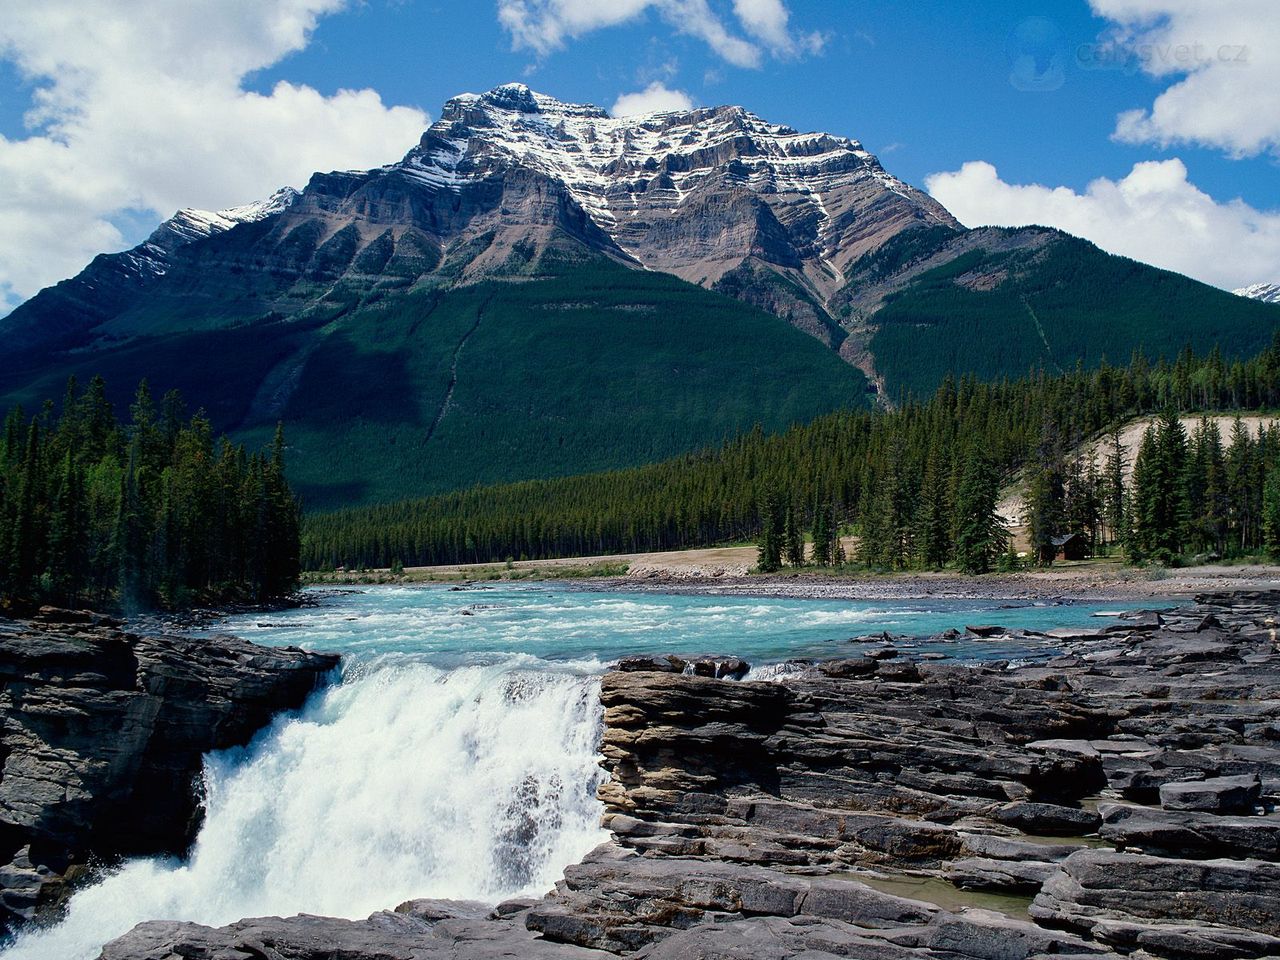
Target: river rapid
<point x="455" y="755"/>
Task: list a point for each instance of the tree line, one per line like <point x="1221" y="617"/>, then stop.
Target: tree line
<point x="149" y="513"/>
<point x="916" y="482"/>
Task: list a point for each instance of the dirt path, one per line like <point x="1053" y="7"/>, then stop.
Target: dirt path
<point x="726" y="570"/>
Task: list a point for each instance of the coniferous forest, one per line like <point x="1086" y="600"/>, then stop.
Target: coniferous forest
<point x="153" y="512"/>
<point x="920" y="483"/>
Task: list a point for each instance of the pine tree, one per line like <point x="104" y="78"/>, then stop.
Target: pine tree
<point x="1271" y="511"/>
<point x="1242" y="474"/>
<point x="820" y="552"/>
<point x="981" y="536"/>
<point x="1160" y="499"/>
<point x="68" y="535"/>
<point x="770" y="550"/>
<point x="93" y="512"/>
<point x="793" y="540"/>
<point x="1045" y="510"/>
<point x="933" y="527"/>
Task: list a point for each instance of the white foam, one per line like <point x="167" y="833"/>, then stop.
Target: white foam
<point x="405" y="781"/>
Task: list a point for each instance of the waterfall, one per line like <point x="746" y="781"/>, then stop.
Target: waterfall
<point x="403" y="781"/>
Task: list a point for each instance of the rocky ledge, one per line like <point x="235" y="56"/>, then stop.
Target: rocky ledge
<point x="1115" y="799"/>
<point x="104" y="731"/>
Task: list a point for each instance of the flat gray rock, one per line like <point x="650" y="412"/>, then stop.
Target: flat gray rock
<point x="1239" y="794"/>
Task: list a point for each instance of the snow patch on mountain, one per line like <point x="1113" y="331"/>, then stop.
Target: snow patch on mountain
<point x="151" y="258"/>
<point x="616" y="167"/>
<point x="1266" y="292"/>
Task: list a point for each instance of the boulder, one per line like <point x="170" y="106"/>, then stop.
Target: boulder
<point x="421" y="934"/>
<point x="1239" y="794"/>
<point x="1190" y="833"/>
<point x="1050" y="818"/>
<point x="1095" y="886"/>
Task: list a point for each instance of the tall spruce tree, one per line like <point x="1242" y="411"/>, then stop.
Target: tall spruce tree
<point x="821" y="535"/>
<point x="793" y="539"/>
<point x="1046" y="495"/>
<point x="1271" y="512"/>
<point x="980" y="537"/>
<point x="934" y="519"/>
<point x="769" y="559"/>
<point x="1161" y="503"/>
<point x="1113" y="486"/>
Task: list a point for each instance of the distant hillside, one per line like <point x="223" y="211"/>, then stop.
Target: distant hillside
<point x="894" y="478"/>
<point x="593" y="368"/>
<point x="998" y="302"/>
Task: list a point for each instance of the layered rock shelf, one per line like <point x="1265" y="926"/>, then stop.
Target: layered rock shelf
<point x="104" y="733"/>
<point x="1114" y="798"/>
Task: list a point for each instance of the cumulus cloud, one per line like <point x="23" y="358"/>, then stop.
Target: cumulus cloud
<point x="147" y="112"/>
<point x="544" y="26"/>
<point x="1154" y="214"/>
<point x="655" y="98"/>
<point x="768" y="22"/>
<point x="1227" y="56"/>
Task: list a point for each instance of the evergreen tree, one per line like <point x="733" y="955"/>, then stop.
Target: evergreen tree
<point x="1113" y="487"/>
<point x="1242" y="475"/>
<point x="1271" y="512"/>
<point x="793" y="540"/>
<point x="1046" y="497"/>
<point x="1206" y="488"/>
<point x="821" y="534"/>
<point x="1161" y="502"/>
<point x="933" y="527"/>
<point x="770" y="551"/>
<point x="138" y="516"/>
<point x="981" y="536"/>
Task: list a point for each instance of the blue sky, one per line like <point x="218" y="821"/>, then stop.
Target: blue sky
<point x="232" y="97"/>
<point x="926" y="85"/>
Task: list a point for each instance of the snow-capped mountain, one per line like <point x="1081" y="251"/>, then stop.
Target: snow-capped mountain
<point x="716" y="196"/>
<point x="664" y="187"/>
<point x="516" y="185"/>
<point x="1266" y="292"/>
<point x="151" y="257"/>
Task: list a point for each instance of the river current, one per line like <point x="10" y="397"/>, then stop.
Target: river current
<point x="456" y="753"/>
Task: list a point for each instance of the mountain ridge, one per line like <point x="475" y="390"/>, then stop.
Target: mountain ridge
<point x="1266" y="292"/>
<point x="310" y="306"/>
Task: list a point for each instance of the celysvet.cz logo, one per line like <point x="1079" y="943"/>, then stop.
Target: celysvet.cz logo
<point x="1038" y="53"/>
<point x="1041" y="55"/>
<point x="1155" y="57"/>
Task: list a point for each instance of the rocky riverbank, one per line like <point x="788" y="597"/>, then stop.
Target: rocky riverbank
<point x="104" y="731"/>
<point x="1115" y="799"/>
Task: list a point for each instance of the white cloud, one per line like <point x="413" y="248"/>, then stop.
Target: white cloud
<point x="655" y="98"/>
<point x="1154" y="214"/>
<point x="1227" y="54"/>
<point x="140" y="106"/>
<point x="767" y="21"/>
<point x="544" y="26"/>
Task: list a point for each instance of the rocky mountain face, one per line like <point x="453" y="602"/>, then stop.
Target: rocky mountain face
<point x="715" y="196"/>
<point x="417" y="275"/>
<point x="1266" y="292"/>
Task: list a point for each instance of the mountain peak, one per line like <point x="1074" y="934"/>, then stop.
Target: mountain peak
<point x="515" y="98"/>
<point x="1266" y="292"/>
<point x="807" y="203"/>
